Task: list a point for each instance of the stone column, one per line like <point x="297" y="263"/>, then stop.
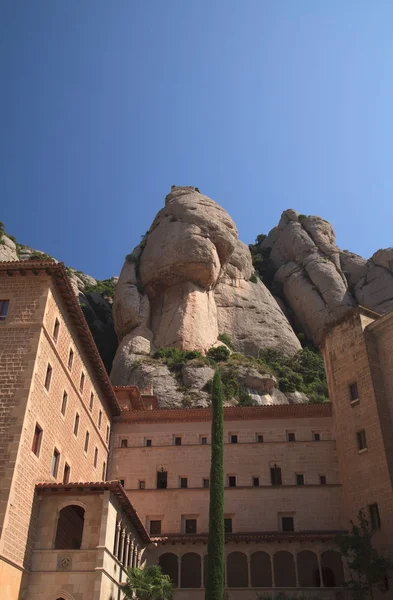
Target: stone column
<point x="272" y="569"/>
<point x="296" y="573"/>
<point x="131" y="559"/>
<point x="178" y="571"/>
<point x="127" y="557"/>
<point x="249" y="569"/>
<point x="320" y="569"/>
<point x="225" y="571"/>
<point x="123" y="537"/>
<point x="202" y="569"/>
<point x="117" y="539"/>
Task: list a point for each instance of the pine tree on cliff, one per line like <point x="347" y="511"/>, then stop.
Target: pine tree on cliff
<point x="215" y="547"/>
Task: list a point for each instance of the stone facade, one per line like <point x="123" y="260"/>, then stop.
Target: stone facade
<point x="295" y="474"/>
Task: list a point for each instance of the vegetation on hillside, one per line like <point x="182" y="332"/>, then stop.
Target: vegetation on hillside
<point x="216" y="539"/>
<point x="106" y="287"/>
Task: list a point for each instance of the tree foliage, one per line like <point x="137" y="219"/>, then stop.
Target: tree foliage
<point x="366" y="566"/>
<point x="219" y="354"/>
<point x="215" y="548"/>
<point x="149" y="583"/>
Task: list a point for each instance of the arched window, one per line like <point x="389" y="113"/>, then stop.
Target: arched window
<point x="70" y="528"/>
<point x="261" y="570"/>
<point x="169" y="565"/>
<point x="237" y="570"/>
<point x="190" y="574"/>
<point x="284" y="569"/>
<point x="332" y="569"/>
<point x="308" y="570"/>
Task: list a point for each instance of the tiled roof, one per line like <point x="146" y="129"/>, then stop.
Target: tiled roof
<point x="231" y="413"/>
<point x="97" y="486"/>
<point x="59" y="276"/>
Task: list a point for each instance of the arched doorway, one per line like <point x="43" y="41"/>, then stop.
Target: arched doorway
<point x="332" y="569"/>
<point x="190" y="574"/>
<point x="284" y="569"/>
<point x="169" y="564"/>
<point x="237" y="570"/>
<point x="69" y="530"/>
<point x="261" y="570"/>
<point x="308" y="569"/>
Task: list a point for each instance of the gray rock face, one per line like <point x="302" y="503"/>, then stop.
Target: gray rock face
<point x="7" y="250"/>
<point x="307" y="263"/>
<point x="188" y="281"/>
<point x="321" y="282"/>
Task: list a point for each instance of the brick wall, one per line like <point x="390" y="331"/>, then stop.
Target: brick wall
<point x="365" y="475"/>
<point x="34" y="306"/>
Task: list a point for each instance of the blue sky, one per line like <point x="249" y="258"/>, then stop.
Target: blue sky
<point x="262" y="104"/>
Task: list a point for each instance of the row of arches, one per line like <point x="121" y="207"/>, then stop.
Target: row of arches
<point x="282" y="569"/>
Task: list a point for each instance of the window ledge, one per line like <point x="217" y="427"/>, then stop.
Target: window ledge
<point x="363" y="450"/>
<point x="354" y="402"/>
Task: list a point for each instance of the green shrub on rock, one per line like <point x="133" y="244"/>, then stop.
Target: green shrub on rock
<point x="219" y="354"/>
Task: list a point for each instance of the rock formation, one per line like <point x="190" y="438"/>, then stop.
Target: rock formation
<point x="320" y="282"/>
<point x="189" y="281"/>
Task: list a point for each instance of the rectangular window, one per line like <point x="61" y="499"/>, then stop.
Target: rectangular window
<point x="287" y="524"/>
<point x="142" y="485"/>
<point x="123" y="443"/>
<point x="48" y="377"/>
<point x="103" y="471"/>
<point x="316" y="437"/>
<point x="107" y="434"/>
<point x="255" y="481"/>
<point x="205" y="483"/>
<point x="3" y="309"/>
<point x="66" y="474"/>
<point x="362" y="440"/>
<point x="87" y="436"/>
<point x="299" y="479"/>
<point x="99" y="419"/>
<point x="76" y="424"/>
<point x="95" y="457"/>
<point x="55" y="463"/>
<point x="204" y="441"/>
<point x="122" y="482"/>
<point x="228" y="525"/>
<point x="291" y="437"/>
<point x="37" y="440"/>
<point x="233" y="438"/>
<point x="183" y="482"/>
<point x="353" y="392"/>
<point x="155" y="527"/>
<point x="322" y="479"/>
<point x="70" y="359"/>
<point x="64" y="403"/>
<point x="232" y="480"/>
<point x="82" y="382"/>
<point x="91" y="403"/>
<point x="177" y="441"/>
<point x="191" y="526"/>
<point x="56" y="330"/>
<point x="148" y="443"/>
<point x="259" y="438"/>
<point x="162" y="480"/>
<point x="374" y="516"/>
<point x="275" y="476"/>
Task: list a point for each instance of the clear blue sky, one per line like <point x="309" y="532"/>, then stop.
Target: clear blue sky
<point x="262" y="104"/>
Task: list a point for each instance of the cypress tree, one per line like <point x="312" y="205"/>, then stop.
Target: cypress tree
<point x="215" y="547"/>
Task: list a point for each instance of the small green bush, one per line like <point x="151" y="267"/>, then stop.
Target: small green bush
<point x="40" y="256"/>
<point x="254" y="278"/>
<point x="106" y="287"/>
<point x="225" y="339"/>
<point x="219" y="354"/>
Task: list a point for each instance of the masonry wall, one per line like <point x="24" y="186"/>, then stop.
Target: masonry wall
<point x="34" y="306"/>
<point x="365" y="475"/>
<point x="19" y="338"/>
<point x="313" y="506"/>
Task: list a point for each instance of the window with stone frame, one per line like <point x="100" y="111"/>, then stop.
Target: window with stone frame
<point x="375" y="519"/>
<point x="155" y="527"/>
<point x="361" y="440"/>
<point x="37" y="439"/>
<point x="48" y="377"/>
<point x="190" y="525"/>
<point x="353" y="392"/>
<point x="228" y="525"/>
<point x="56" y="329"/>
<point x="3" y="309"/>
